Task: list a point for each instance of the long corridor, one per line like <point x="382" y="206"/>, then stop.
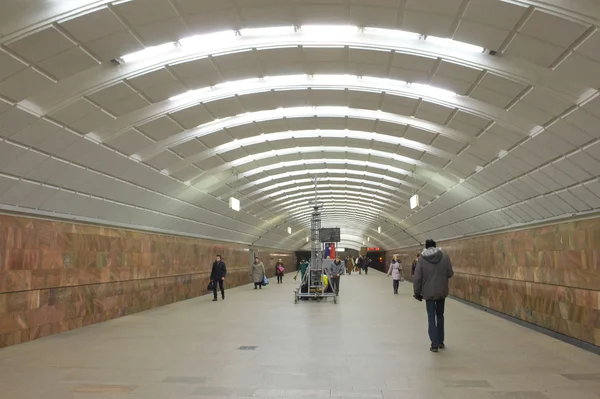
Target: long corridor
<point x="372" y="344"/>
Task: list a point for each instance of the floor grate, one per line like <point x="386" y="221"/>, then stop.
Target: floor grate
<point x="247" y="348"/>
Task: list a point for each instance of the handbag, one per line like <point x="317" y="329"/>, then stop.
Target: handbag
<point x="265" y="281"/>
<point x="211" y="286"/>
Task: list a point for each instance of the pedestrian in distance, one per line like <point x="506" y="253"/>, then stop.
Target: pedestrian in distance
<point x="257" y="272"/>
<point x="361" y="264"/>
<point x="349" y="265"/>
<point x="414" y="264"/>
<point x="217" y="276"/>
<point x="279" y="270"/>
<point x="434" y="269"/>
<point x="395" y="271"/>
<point x="368" y="262"/>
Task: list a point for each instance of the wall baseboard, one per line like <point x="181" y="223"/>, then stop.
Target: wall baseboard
<point x="561" y="337"/>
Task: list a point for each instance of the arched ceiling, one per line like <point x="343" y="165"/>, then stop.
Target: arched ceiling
<point x="152" y="113"/>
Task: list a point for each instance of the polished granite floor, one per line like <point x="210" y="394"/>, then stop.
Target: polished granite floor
<point x="372" y="344"/>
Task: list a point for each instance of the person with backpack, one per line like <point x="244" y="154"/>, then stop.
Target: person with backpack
<point x="279" y="269"/>
<point x="257" y="272"/>
<point x="395" y="271"/>
<point x="217" y="276"/>
<point x="433" y="271"/>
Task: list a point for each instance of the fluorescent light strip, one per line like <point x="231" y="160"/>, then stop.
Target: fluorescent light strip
<point x="335" y="161"/>
<point x="341" y="220"/>
<point x="309" y="180"/>
<point x="355" y="186"/>
<point x="284" y="202"/>
<point x="356" y="207"/>
<point x="318" y="133"/>
<point x="300" y="112"/>
<point x="297" y="82"/>
<point x="311" y="36"/>
<point x="434" y="178"/>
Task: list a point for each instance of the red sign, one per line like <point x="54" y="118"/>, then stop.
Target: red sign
<point x="373" y="249"/>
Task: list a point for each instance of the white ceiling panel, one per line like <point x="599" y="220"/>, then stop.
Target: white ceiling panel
<point x="53" y="91"/>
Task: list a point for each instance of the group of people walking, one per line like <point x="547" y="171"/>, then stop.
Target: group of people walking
<point x="257" y="273"/>
<point x="358" y="264"/>
<point x="431" y="270"/>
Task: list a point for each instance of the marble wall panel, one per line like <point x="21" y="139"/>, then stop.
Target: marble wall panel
<point x="56" y="276"/>
<point x="549" y="276"/>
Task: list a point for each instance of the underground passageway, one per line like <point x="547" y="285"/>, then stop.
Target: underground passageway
<point x="142" y="139"/>
<point x="372" y="344"/>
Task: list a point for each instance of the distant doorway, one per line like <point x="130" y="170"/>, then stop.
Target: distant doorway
<point x="377" y="260"/>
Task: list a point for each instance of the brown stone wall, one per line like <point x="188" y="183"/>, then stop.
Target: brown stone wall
<point x="549" y="275"/>
<point x="57" y="276"/>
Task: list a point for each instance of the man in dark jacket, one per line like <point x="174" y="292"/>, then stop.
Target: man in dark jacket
<point x="361" y="264"/>
<point x="433" y="271"/>
<point x="414" y="264"/>
<point x="217" y="276"/>
<point x="337" y="269"/>
<point x="368" y="262"/>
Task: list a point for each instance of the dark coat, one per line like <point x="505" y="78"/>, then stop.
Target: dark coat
<point x="434" y="269"/>
<point x="219" y="270"/>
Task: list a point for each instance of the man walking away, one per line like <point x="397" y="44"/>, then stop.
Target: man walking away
<point x="217" y="276"/>
<point x="337" y="269"/>
<point x="361" y="264"/>
<point x="279" y="270"/>
<point x="367" y="264"/>
<point x="433" y="271"/>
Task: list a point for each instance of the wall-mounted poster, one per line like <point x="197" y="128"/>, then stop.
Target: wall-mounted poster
<point x="330" y="250"/>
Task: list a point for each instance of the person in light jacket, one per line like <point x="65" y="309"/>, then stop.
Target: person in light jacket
<point x="337" y="269"/>
<point x="434" y="269"/>
<point x="395" y="271"/>
<point x="257" y="272"/>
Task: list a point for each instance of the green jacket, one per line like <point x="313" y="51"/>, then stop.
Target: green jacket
<point x="303" y="267"/>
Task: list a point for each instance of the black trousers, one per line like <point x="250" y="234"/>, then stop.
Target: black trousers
<point x="258" y="285"/>
<point x="220" y="282"/>
<point x="335" y="283"/>
<point x="279" y="279"/>
<point x="396" y="285"/>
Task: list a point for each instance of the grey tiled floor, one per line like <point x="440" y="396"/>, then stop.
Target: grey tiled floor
<point x="372" y="344"/>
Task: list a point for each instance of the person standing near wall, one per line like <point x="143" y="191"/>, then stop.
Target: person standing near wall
<point x="337" y="269"/>
<point x="217" y="276"/>
<point x="433" y="271"/>
<point x="395" y="271"/>
<point x="257" y="272"/>
<point x="279" y="270"/>
<point x="414" y="264"/>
